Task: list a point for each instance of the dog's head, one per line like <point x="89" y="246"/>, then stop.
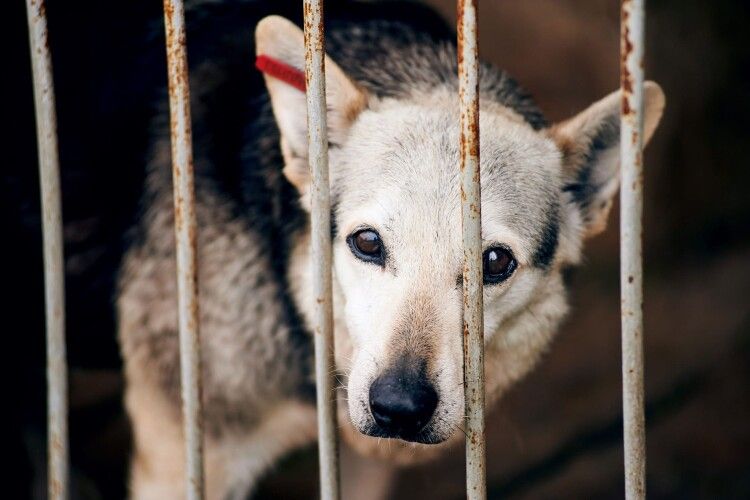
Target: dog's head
<point x="397" y="244"/>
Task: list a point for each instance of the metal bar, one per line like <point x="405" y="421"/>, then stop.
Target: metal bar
<point x="54" y="270"/>
<point x="631" y="235"/>
<point x="317" y="134"/>
<point x="473" y="322"/>
<point x="186" y="245"/>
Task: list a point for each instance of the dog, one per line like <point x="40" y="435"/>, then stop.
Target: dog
<point x="393" y="124"/>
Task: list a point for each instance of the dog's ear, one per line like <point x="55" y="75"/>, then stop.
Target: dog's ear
<point x="590" y="146"/>
<point x="280" y="40"/>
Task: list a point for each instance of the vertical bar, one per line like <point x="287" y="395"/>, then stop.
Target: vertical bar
<point x="317" y="135"/>
<point x="186" y="245"/>
<point x="631" y="264"/>
<point x="468" y="71"/>
<point x="54" y="277"/>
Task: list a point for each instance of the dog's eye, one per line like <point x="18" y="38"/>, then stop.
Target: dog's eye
<point x="366" y="245"/>
<point x="498" y="264"/>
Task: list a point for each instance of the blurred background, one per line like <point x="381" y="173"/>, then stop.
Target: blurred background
<point x="558" y="433"/>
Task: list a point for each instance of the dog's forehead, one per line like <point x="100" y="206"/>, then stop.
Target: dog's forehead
<point x="400" y="167"/>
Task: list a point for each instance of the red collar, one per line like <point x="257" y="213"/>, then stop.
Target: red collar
<point x="282" y="71"/>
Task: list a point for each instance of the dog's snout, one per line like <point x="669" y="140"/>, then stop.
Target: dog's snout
<point x="402" y="403"/>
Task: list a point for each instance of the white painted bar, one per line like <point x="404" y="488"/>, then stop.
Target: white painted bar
<point x="473" y="323"/>
<point x="317" y="134"/>
<point x="631" y="255"/>
<point x="186" y="246"/>
<point x="54" y="268"/>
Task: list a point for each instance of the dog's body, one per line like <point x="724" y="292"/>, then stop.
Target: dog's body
<point x="393" y="121"/>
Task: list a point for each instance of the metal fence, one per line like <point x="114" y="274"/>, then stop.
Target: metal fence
<point x="631" y="192"/>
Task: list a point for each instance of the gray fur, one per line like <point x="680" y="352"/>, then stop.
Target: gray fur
<point x="390" y="59"/>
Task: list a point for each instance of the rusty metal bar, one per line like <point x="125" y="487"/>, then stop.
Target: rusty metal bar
<point x="631" y="235"/>
<point x="317" y="134"/>
<point x="54" y="270"/>
<point x="185" y="226"/>
<point x="473" y="322"/>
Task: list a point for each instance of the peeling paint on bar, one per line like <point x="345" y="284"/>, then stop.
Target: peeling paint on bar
<point x="54" y="269"/>
<point x="317" y="134"/>
<point x="468" y="69"/>
<point x="186" y="246"/>
<point x="631" y="258"/>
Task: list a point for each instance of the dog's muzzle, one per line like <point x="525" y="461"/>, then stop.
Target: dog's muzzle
<point x="402" y="402"/>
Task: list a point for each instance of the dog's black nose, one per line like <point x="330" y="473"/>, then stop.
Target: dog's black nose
<point x="402" y="403"/>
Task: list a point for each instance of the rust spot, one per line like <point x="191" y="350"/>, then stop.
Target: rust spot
<point x="57" y="443"/>
<point x="192" y="234"/>
<point x="625" y="105"/>
<point x="178" y="215"/>
<point x="474" y="134"/>
<point x="626" y="79"/>
<point x="168" y="10"/>
<point x="55" y="488"/>
<point x="460" y="34"/>
<point x="469" y="115"/>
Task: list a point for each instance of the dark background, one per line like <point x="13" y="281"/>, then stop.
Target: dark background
<point x="558" y="433"/>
